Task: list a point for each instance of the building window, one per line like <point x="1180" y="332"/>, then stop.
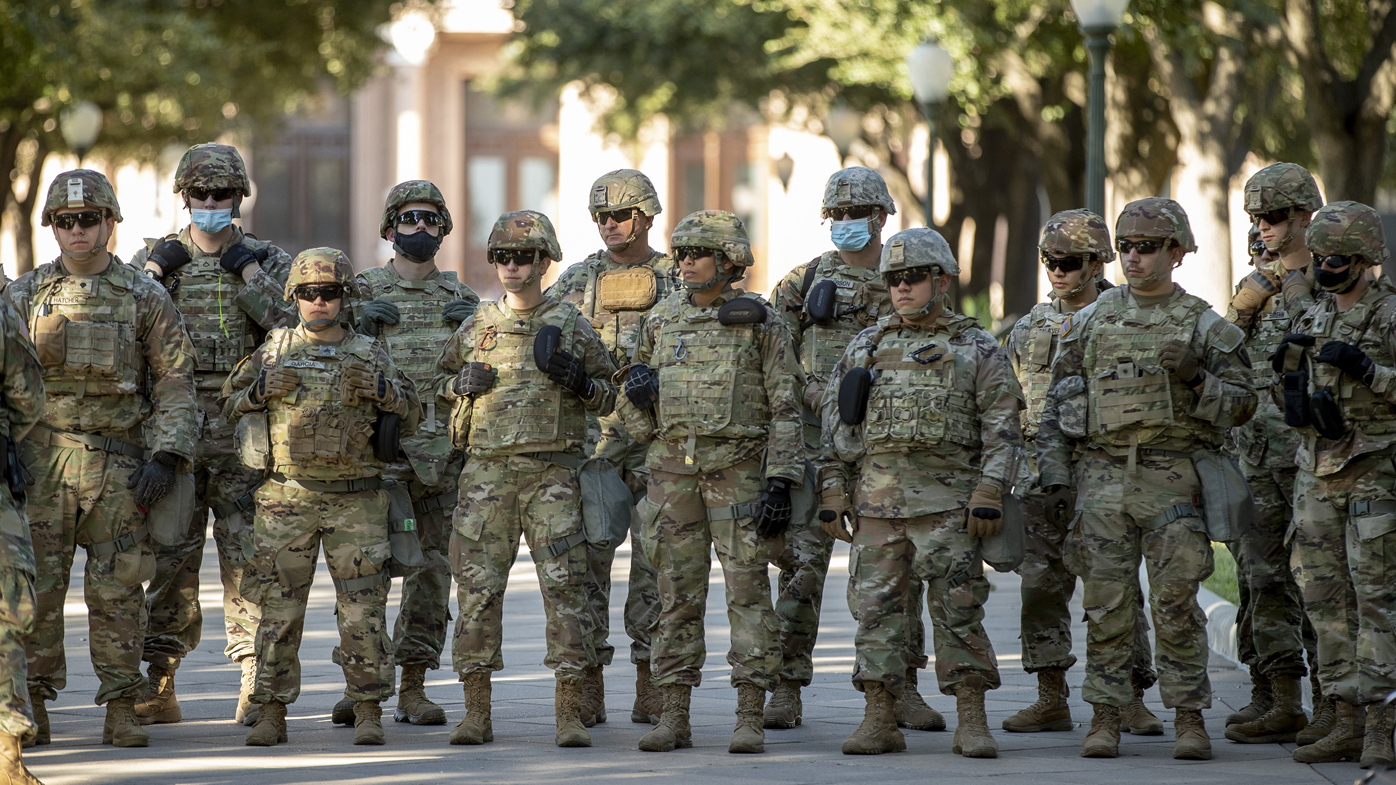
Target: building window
<point x="301" y="180"/>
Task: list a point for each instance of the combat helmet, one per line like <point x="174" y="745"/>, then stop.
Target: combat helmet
<point x="322" y="266"/>
<point x="856" y="186"/>
<point x="1076" y="233"/>
<point x="1282" y="186"/>
<point x="624" y="189"/>
<point x="525" y="230"/>
<point x="413" y="191"/>
<point x="910" y="249"/>
<point x="1155" y="218"/>
<point x="211" y="166"/>
<point x="80" y="188"/>
<point x="722" y="232"/>
<point x="1347" y="229"/>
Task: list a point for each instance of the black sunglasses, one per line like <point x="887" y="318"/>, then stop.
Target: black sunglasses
<point x="312" y="293"/>
<point x="519" y="256"/>
<point x="86" y="219"/>
<point x="850" y="213"/>
<point x="1334" y="261"/>
<point x="1257" y="248"/>
<point x="896" y="277"/>
<point x="1066" y="264"/>
<point x="414" y="217"/>
<point x="619" y="216"/>
<point x="1145" y="247"/>
<point x="1274" y="217"/>
<point x="218" y="194"/>
<point x="691" y="252"/>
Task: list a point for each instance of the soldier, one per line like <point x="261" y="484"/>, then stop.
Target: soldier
<point x="416" y="307"/>
<point x="1337" y="370"/>
<point x="115" y="357"/>
<point x="615" y="288"/>
<point x="334" y="403"/>
<point x="227" y="286"/>
<point x="938" y="449"/>
<point x="857" y="202"/>
<point x="22" y="386"/>
<point x="523" y="423"/>
<point x="1075" y="247"/>
<point x="1281" y="198"/>
<point x="1160" y="376"/>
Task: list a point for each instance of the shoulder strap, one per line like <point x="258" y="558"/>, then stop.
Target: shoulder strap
<point x="808" y="283"/>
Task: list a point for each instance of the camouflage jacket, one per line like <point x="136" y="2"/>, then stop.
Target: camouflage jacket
<point x="936" y="425"/>
<point x="22" y="381"/>
<point x="135" y="344"/>
<point x="755" y="373"/>
<point x="1031" y="345"/>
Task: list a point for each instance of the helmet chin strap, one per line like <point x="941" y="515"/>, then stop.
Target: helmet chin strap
<point x="320" y="325"/>
<point x="82" y="256"/>
<point x="625" y="244"/>
<point x="1155" y="277"/>
<point x="942" y="298"/>
<point x="720" y="278"/>
<point x="1279" y="245"/>
<point x="518" y="286"/>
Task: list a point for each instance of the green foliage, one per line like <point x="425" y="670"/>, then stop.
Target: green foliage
<point x="1223" y="579"/>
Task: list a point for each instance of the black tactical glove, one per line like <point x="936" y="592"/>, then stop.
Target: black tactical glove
<point x="474" y="379"/>
<point x="567" y="371"/>
<point x="458" y="310"/>
<point x="642" y="387"/>
<point x="153" y="479"/>
<point x="1291" y="345"/>
<point x="776" y="510"/>
<point x="375" y="313"/>
<point x="1347" y="358"/>
<point x="238" y="257"/>
<point x="1058" y="505"/>
<point x="169" y="256"/>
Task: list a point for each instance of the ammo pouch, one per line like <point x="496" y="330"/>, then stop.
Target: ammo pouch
<point x="1004" y="550"/>
<point x="252" y="438"/>
<point x="1324" y="414"/>
<point x="1296" y="391"/>
<point x="635" y="289"/>
<point x="387" y="438"/>
<point x="328" y="434"/>
<point x="51" y="340"/>
<point x="607" y="504"/>
<point x="170" y="519"/>
<point x="402" y="532"/>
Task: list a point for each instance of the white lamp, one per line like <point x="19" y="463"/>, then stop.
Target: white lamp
<point x="1093" y="14"/>
<point x="931" y="68"/>
<point x="80" y="124"/>
<point x="843" y="125"/>
<point x="412" y="36"/>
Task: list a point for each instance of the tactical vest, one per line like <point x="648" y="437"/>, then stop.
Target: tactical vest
<point x="1133" y="399"/>
<point x="320" y="423"/>
<point x="1035" y="363"/>
<point x="858" y="304"/>
<point x="914" y="403"/>
<point x="710" y="375"/>
<point x="617" y="300"/>
<point x="85" y="330"/>
<point x="1362" y="408"/>
<point x="222" y="332"/>
<point x="415" y="342"/>
<point x="524" y="407"/>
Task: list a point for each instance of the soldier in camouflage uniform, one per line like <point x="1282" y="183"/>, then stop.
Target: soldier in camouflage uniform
<point x="1075" y="247"/>
<point x="1338" y="387"/>
<point x="524" y="426"/>
<point x="416" y="307"/>
<point x="1145" y="376"/>
<point x="930" y="455"/>
<point x="22" y="388"/>
<point x="715" y="388"/>
<point x="227" y="286"/>
<point x="1281" y="198"/>
<point x="115" y="358"/>
<point x="312" y="405"/>
<point x="615" y="288"/>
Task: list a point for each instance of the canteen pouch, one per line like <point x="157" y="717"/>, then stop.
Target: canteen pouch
<point x="822" y="302"/>
<point x="635" y="289"/>
<point x="742" y="310"/>
<point x="1227" y="504"/>
<point x="1296" y="393"/>
<point x="1004" y="551"/>
<point x="387" y="436"/>
<point x="252" y="438"/>
<point x="51" y="340"/>
<point x="607" y="504"/>
<point x="1325" y="414"/>
<point x="402" y="532"/>
<point x="853" y="396"/>
<point x="170" y="519"/>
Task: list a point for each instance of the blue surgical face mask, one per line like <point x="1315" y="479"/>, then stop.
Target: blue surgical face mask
<point x="851" y="235"/>
<point x="211" y="221"/>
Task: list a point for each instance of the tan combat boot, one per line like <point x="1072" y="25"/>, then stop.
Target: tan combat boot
<point x="673" y="729"/>
<point x="1281" y="723"/>
<point x="784" y="710"/>
<point x="270" y="728"/>
<point x="475" y="727"/>
<point x="412" y="703"/>
<point x="567" y="711"/>
<point x="1136" y="718"/>
<point x="12" y="769"/>
<point x="1190" y="739"/>
<point x="1051" y="712"/>
<point x="878" y="733"/>
<point x="1343" y="742"/>
<point x="748" y="736"/>
<point x="1103" y="739"/>
<point x="649" y="701"/>
<point x="343" y="712"/>
<point x="1261" y="701"/>
<point x="368" y="723"/>
<point x="1376" y="744"/>
<point x="247" y="710"/>
<point x="160" y="704"/>
<point x="1325" y="714"/>
<point x="593" y="697"/>
<point x="912" y="711"/>
<point x="972" y="737"/>
<point x="121" y="728"/>
<point x="42" y="733"/>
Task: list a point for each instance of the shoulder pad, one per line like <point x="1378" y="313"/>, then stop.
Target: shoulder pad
<point x="1225" y="335"/>
<point x="253" y="242"/>
<point x="1075" y="323"/>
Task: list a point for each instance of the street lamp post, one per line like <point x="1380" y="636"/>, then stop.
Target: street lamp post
<point x="80" y="124"/>
<point x="930" y="67"/>
<point x="1098" y="19"/>
<point x="843" y="126"/>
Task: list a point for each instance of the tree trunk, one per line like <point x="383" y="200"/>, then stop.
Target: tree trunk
<point x="24" y="225"/>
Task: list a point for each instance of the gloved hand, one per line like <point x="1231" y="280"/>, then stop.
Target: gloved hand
<point x="458" y="310"/>
<point x="814" y="393"/>
<point x="169" y="256"/>
<point x="273" y="383"/>
<point x="239" y="256"/>
<point x="642" y="387"/>
<point x="1177" y="357"/>
<point x="474" y="379"/>
<point x="1347" y="358"/>
<point x="566" y="370"/>
<point x="833" y="507"/>
<point x="775" y="509"/>
<point x="1290" y="346"/>
<point x="984" y="517"/>
<point x="376" y="313"/>
<point x="1059" y="505"/>
<point x="365" y="381"/>
<point x="153" y="479"/>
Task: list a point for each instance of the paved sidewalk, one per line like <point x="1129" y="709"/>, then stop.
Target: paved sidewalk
<point x="207" y="747"/>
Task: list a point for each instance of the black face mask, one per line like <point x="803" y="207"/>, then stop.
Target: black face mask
<point x="1337" y="281"/>
<point x="419" y="247"/>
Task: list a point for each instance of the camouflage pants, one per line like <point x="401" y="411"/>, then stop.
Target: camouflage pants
<point x="290" y="526"/>
<point x="1046" y="589"/>
<point x="419" y="633"/>
<point x="1345" y="563"/>
<point x="804" y="564"/>
<point x="1275" y="608"/>
<point x="1121" y="521"/>
<point x="886" y="554"/>
<point x="679" y="543"/>
<point x="502" y="499"/>
<point x="16" y="620"/>
<point x="641" y="611"/>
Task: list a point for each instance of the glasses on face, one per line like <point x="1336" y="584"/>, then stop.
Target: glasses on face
<point x="898" y="277"/>
<point x="1273" y="217"/>
<point x="216" y="194"/>
<point x="1066" y="264"/>
<point x="414" y="217"/>
<point x="1257" y="248"/>
<point x="850" y="213"/>
<point x="519" y="256"/>
<point x="86" y="219"/>
<point x="312" y="293"/>
<point x="1145" y="247"/>
<point x="619" y="216"/>
<point x="691" y="252"/>
<point x="1334" y="261"/>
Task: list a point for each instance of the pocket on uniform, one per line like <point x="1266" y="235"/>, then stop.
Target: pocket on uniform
<point x="51" y="340"/>
<point x="467" y="520"/>
<point x="133" y="566"/>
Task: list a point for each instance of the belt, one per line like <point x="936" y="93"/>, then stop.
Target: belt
<point x="443" y="501"/>
<point x="1378" y="507"/>
<point x="1174" y="513"/>
<point x="240" y="504"/>
<point x="49" y="436"/>
<point x="330" y="486"/>
<point x="125" y="542"/>
<point x="558" y="547"/>
<point x="362" y="582"/>
<point x="735" y="512"/>
<point x="566" y="459"/>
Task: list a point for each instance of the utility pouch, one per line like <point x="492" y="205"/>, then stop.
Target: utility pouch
<point x="1227" y="504"/>
<point x="387" y="436"/>
<point x="169" y="519"/>
<point x="607" y="504"/>
<point x="406" y="548"/>
<point x="51" y="340"/>
<point x="742" y="310"/>
<point x="635" y="289"/>
<point x="1325" y="414"/>
<point x="252" y="437"/>
<point x="1296" y="395"/>
<point x="822" y="302"/>
<point x="1004" y="551"/>
<point x="853" y="396"/>
<point x="805" y="501"/>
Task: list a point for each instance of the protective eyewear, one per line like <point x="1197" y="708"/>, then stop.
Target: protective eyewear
<point x="850" y="213"/>
<point x="414" y="217"/>
<point x="1274" y="217"/>
<point x="217" y="194"/>
<point x="312" y="293"/>
<point x="1066" y="264"/>
<point x="1257" y="248"/>
<point x="1334" y="261"/>
<point x="691" y="252"/>
<point x="521" y="257"/>
<point x="898" y="277"/>
<point x="1145" y="247"/>
<point x="86" y="219"/>
<point x="619" y="216"/>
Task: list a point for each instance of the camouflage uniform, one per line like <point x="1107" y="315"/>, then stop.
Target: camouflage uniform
<point x="115" y="357"/>
<point x="226" y="319"/>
